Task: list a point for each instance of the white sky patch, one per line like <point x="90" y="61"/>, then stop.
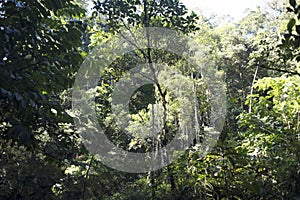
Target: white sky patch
<point x="234" y="8"/>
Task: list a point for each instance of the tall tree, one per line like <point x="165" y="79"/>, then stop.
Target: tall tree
<point x="115" y="15"/>
<point x="39" y="54"/>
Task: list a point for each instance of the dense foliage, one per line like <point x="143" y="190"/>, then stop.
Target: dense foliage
<point x="43" y="44"/>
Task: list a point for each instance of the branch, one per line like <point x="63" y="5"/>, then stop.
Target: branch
<point x="29" y="66"/>
<point x="252" y="86"/>
<point x="280" y="70"/>
<point x="86" y="176"/>
<point x="132" y="43"/>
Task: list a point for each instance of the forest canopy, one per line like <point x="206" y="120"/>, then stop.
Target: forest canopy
<point x="253" y="103"/>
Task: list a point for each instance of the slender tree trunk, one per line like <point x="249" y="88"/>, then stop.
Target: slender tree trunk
<point x="86" y="177"/>
<point x="251" y="92"/>
<point x="162" y="136"/>
<point x="149" y="61"/>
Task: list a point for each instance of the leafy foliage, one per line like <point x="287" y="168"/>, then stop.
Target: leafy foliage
<point x="39" y="55"/>
<point x="136" y="13"/>
<point x="42" y="157"/>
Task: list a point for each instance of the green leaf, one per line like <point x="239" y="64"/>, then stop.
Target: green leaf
<point x="18" y="96"/>
<point x="231" y="160"/>
<point x="291" y="24"/>
<point x="297" y="43"/>
<point x="298" y="29"/>
<point x="290" y="9"/>
<point x="293" y="3"/>
<point x="3" y="91"/>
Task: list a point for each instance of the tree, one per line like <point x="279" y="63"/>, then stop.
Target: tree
<point x="271" y="135"/>
<point x="291" y="40"/>
<point x="144" y="13"/>
<point x="131" y="15"/>
<point x="42" y="153"/>
<point x="39" y="54"/>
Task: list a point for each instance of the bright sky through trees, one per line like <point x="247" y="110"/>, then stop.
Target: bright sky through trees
<point x="234" y="8"/>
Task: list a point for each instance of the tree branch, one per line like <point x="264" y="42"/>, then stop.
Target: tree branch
<point x="86" y="176"/>
<point x="280" y="70"/>
<point x="29" y="66"/>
